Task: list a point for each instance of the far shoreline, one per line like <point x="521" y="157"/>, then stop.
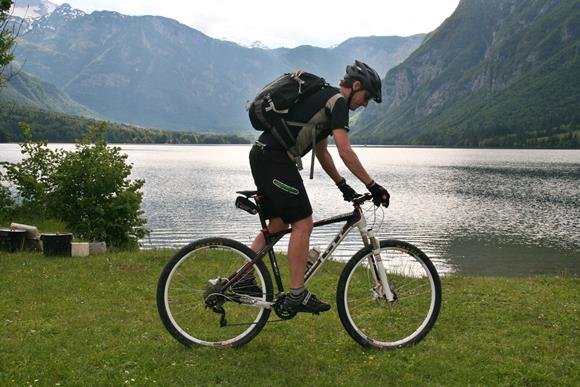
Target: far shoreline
<point x="395" y="146"/>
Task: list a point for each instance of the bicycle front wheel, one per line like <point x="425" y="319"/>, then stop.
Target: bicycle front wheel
<point x="191" y="305"/>
<point x="369" y="317"/>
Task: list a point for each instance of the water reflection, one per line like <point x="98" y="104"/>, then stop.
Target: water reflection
<point x="472" y="211"/>
<point x="512" y="212"/>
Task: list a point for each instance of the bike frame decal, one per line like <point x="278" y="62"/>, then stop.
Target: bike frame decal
<point x="352" y="220"/>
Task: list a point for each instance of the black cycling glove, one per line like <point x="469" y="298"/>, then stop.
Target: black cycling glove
<point x="380" y="194"/>
<point x="348" y="193"/>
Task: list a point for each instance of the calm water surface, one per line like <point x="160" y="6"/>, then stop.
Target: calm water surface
<point x="488" y="212"/>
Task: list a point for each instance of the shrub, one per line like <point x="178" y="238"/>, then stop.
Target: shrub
<point x="6" y="202"/>
<point x="31" y="176"/>
<point x="89" y="189"/>
<point x="93" y="194"/>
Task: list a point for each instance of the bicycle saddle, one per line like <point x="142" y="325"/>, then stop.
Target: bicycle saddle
<point x="247" y="193"/>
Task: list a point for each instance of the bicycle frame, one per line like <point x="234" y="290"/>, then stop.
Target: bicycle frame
<point x="353" y="219"/>
<point x="213" y="276"/>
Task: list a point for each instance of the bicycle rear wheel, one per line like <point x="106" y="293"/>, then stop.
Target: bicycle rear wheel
<point x="370" y="318"/>
<point x="194" y="276"/>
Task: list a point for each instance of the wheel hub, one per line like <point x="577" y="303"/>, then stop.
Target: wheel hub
<point x="214" y="298"/>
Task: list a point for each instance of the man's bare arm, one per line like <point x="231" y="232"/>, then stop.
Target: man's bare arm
<point x="326" y="161"/>
<point x="349" y="157"/>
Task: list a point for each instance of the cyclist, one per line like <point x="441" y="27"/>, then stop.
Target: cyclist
<point x="285" y="201"/>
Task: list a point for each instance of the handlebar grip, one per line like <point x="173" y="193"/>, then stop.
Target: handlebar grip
<point x="360" y="200"/>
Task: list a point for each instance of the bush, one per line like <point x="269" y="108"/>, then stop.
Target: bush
<point x="6" y="202"/>
<point x="31" y="176"/>
<point x="89" y="189"/>
<point x="93" y="195"/>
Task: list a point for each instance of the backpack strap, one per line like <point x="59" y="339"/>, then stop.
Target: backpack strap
<point x="284" y="136"/>
<point x="313" y="151"/>
<point x="317" y="124"/>
<point x="329" y="105"/>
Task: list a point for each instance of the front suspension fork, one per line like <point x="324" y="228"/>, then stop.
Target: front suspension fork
<point x="382" y="287"/>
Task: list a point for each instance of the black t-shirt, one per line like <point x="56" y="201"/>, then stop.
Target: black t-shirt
<point x="305" y="110"/>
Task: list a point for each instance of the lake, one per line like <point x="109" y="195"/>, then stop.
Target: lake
<point x="473" y="211"/>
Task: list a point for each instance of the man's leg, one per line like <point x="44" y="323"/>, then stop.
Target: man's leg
<point x="298" y="251"/>
<point x="274" y="225"/>
<point x="247" y="285"/>
<point x="299" y="298"/>
<point x="297" y="246"/>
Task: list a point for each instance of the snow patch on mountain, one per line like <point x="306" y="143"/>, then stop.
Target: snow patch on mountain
<point x="33" y="9"/>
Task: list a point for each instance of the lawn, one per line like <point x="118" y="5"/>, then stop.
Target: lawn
<point x="93" y="321"/>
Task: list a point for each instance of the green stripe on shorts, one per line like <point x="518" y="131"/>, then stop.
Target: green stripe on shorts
<point x="285" y="187"/>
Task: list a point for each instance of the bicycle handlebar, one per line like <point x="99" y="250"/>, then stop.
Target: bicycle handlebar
<point x="362" y="199"/>
<point x="250" y="207"/>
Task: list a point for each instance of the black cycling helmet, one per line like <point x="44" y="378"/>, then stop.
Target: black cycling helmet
<point x="369" y="78"/>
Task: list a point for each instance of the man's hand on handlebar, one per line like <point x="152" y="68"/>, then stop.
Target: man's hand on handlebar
<point x="380" y="194"/>
<point x="348" y="193"/>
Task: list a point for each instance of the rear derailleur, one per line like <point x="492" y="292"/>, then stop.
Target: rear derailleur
<point x="215" y="299"/>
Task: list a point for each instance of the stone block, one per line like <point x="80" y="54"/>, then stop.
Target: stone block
<point x="96" y="248"/>
<point x="79" y="249"/>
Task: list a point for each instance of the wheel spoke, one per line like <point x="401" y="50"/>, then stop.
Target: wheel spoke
<point x="189" y="295"/>
<point x="187" y="290"/>
<point x="372" y="320"/>
<point x="181" y="311"/>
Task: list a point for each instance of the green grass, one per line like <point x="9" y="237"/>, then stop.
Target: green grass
<point x="93" y="321"/>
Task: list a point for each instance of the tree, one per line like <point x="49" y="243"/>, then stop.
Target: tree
<point x="6" y="38"/>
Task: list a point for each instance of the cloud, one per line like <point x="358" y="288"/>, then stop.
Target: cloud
<point x="320" y="23"/>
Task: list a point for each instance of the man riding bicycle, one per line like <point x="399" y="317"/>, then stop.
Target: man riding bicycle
<point x="285" y="201"/>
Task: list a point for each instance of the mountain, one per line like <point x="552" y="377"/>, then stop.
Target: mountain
<point x="25" y="89"/>
<point x="495" y="73"/>
<point x="155" y="72"/>
<point x="32" y="9"/>
<point x="379" y="52"/>
<point x="59" y="127"/>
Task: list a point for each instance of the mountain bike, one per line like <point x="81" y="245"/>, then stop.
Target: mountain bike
<point x="388" y="295"/>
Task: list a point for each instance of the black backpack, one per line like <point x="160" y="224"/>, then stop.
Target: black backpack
<point x="267" y="111"/>
<point x="277" y="97"/>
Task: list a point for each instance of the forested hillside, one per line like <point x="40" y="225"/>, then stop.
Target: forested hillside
<point x="22" y="88"/>
<point x="60" y="127"/>
<point x="495" y="73"/>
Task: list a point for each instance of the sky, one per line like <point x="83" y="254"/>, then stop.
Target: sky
<point x="321" y="23"/>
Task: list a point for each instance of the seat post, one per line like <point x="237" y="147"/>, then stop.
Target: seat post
<point x="257" y="199"/>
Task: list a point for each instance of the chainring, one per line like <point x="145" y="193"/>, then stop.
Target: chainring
<point x="284" y="314"/>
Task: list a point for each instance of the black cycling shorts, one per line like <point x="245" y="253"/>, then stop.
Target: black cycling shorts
<point x="281" y="185"/>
